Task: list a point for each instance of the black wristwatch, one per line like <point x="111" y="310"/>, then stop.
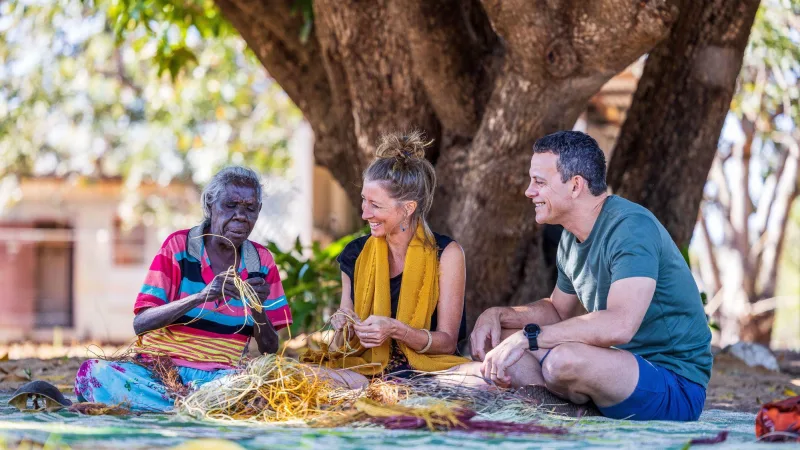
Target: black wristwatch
<point x="532" y="331"/>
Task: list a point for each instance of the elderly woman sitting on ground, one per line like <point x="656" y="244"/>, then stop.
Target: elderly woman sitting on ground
<point x="189" y="314"/>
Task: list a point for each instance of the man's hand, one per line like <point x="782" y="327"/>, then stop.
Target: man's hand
<point x="499" y="359"/>
<point x="374" y="330"/>
<point x="487" y="330"/>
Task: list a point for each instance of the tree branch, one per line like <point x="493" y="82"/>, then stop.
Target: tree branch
<point x="740" y="206"/>
<point x="763" y="211"/>
<point x="272" y="30"/>
<point x="765" y="201"/>
<point x="560" y="39"/>
<point x="776" y="228"/>
<point x="376" y="67"/>
<point x="448" y="57"/>
<point x="687" y="86"/>
<point x="717" y="175"/>
<point x="708" y="246"/>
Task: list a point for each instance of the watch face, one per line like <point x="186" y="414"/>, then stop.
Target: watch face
<point x="532" y="329"/>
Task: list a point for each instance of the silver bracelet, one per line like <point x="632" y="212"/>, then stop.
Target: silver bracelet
<point x="430" y="341"/>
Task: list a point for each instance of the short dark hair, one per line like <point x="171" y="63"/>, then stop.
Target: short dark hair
<point x="578" y="154"/>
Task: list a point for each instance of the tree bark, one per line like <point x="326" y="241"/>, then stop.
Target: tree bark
<point x="669" y="139"/>
<point x="485" y="80"/>
<point x="556" y="58"/>
<point x="272" y="30"/>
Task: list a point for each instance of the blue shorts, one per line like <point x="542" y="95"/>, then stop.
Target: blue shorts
<point x="660" y="394"/>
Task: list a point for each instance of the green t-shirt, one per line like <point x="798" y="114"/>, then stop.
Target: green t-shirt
<point x="628" y="241"/>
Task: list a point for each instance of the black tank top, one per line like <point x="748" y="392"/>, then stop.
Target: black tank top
<point x="347" y="262"/>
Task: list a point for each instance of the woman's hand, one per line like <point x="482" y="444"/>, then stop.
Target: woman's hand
<point x="219" y="287"/>
<point x="374" y="331"/>
<point x="260" y="287"/>
<point x="343" y="317"/>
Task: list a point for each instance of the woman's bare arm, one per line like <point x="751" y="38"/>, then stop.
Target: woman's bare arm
<point x="157" y="317"/>
<point x="452" y="279"/>
<point x="346" y="307"/>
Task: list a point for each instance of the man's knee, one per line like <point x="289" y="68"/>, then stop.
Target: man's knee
<point x="565" y="363"/>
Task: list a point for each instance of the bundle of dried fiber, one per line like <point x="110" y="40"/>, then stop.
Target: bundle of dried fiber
<point x="490" y="403"/>
<point x="166" y="371"/>
<point x="465" y="422"/>
<point x="270" y="388"/>
<point x="436" y="415"/>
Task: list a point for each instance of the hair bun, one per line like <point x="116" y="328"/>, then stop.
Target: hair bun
<point x="402" y="146"/>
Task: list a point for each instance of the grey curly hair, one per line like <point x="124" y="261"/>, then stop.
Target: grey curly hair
<point x="237" y="175"/>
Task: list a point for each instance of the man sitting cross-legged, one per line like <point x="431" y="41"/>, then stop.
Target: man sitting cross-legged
<point x="625" y="325"/>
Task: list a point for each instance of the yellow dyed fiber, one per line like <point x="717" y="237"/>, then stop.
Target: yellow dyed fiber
<point x="271" y="388"/>
<point x="435" y="415"/>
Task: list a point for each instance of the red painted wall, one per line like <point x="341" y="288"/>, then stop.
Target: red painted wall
<point x="17" y="285"/>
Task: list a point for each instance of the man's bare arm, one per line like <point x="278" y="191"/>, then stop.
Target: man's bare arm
<point x="488" y="328"/>
<point x="628" y="300"/>
<point x="547" y="311"/>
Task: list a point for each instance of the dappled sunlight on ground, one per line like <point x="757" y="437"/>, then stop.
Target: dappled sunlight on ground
<point x="23" y="350"/>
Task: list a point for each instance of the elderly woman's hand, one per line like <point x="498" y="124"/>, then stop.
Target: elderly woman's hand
<point x="260" y="286"/>
<point x="219" y="287"/>
<point x="374" y="331"/>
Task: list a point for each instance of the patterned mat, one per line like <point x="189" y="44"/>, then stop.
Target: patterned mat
<point x="164" y="431"/>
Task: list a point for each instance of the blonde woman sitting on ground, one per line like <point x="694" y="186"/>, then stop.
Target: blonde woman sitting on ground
<point x="402" y="285"/>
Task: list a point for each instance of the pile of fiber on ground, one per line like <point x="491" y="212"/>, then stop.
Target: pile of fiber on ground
<point x="277" y="390"/>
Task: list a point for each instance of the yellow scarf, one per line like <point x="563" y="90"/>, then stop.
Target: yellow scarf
<point x="419" y="294"/>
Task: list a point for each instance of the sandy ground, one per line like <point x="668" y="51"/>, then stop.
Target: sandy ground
<point x="734" y="385"/>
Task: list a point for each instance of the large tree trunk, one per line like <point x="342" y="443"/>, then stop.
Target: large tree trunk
<point x="484" y="79"/>
<point x="669" y="139"/>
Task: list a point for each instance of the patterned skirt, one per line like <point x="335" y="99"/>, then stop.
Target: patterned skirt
<point x="398" y="365"/>
<point x="133" y="385"/>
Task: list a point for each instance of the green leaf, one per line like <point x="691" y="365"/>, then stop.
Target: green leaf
<point x="685" y="254"/>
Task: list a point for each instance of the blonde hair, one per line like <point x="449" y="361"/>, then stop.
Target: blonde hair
<point x="401" y="167"/>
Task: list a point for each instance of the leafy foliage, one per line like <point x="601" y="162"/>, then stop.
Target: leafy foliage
<point x="312" y="280"/>
<point x="80" y="94"/>
<point x="768" y="94"/>
<point x="171" y="24"/>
